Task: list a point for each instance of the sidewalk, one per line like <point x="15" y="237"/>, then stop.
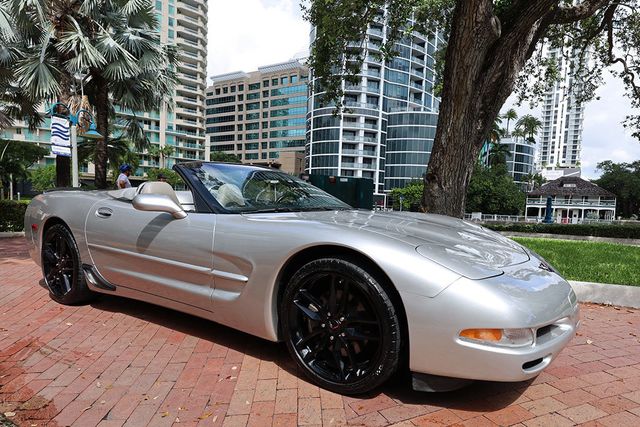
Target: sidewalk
<point x="121" y="362"/>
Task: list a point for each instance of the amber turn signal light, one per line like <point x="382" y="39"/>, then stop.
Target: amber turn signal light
<point x="482" y="334"/>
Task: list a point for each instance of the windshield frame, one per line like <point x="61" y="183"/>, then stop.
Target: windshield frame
<point x="188" y="172"/>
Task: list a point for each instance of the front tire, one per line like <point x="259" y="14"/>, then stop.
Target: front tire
<point x="340" y="326"/>
<point x="62" y="268"/>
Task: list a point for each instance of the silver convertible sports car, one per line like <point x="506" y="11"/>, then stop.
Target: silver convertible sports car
<point x="356" y="295"/>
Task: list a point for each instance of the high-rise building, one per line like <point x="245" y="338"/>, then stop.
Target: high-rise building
<point x="183" y="22"/>
<point x="562" y="117"/>
<point x="519" y="161"/>
<point x="259" y="116"/>
<point x="387" y="131"/>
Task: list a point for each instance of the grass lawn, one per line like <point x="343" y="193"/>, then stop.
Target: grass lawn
<point x="589" y="261"/>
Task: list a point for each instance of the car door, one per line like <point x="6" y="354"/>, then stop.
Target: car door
<point x="152" y="252"/>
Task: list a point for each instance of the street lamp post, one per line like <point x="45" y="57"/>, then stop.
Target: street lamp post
<point x="92" y="133"/>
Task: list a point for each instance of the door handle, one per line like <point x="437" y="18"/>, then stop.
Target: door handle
<point x="104" y="212"/>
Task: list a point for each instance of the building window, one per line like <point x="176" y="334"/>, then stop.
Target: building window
<point x="264" y="155"/>
<point x="265" y="114"/>
<point x="254" y="86"/>
<point x="217" y="91"/>
<point x="265" y="83"/>
<point x="240" y="87"/>
<point x="274" y="82"/>
<point x="171" y="22"/>
<point x="239" y="126"/>
<point x="294" y="79"/>
<point x="265" y="104"/>
<point x="265" y="93"/>
<point x="265" y="125"/>
<point x="265" y="135"/>
<point x="284" y="80"/>
<point x="255" y="95"/>
<point x="264" y="145"/>
<point x="233" y="89"/>
<point x="240" y="97"/>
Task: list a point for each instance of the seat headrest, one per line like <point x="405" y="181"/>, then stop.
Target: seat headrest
<point x="159" y="187"/>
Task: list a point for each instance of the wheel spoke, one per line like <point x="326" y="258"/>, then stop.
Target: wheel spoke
<point x="311" y="299"/>
<point x="308" y="312"/>
<point x="305" y="340"/>
<point x="344" y="298"/>
<point x="355" y="335"/>
<point x="49" y="255"/>
<point x="350" y="355"/>
<point x="360" y="321"/>
<point x="320" y="344"/>
<point x="332" y="295"/>
<point x="66" y="282"/>
<point x="335" y="352"/>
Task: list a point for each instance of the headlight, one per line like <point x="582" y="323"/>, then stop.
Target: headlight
<point x="501" y="337"/>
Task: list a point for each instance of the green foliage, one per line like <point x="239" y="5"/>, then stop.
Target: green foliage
<point x="18" y="157"/>
<point x="498" y="153"/>
<point x="12" y="215"/>
<point x="219" y="156"/>
<point x="492" y="191"/>
<point x="589" y="261"/>
<point x="44" y="178"/>
<point x="620" y="231"/>
<point x="119" y="151"/>
<point x="529" y="126"/>
<point x="171" y="177"/>
<point x="411" y="196"/>
<point x="623" y="180"/>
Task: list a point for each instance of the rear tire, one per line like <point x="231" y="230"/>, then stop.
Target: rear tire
<point x="62" y="267"/>
<point x="340" y="326"/>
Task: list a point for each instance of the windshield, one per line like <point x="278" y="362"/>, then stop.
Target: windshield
<point x="246" y="189"/>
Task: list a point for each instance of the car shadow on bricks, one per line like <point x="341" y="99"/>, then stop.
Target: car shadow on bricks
<point x="479" y="396"/>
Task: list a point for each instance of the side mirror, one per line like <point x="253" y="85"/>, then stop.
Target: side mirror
<point x="158" y="203"/>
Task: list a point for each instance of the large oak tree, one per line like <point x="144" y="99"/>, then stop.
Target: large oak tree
<point x="492" y="48"/>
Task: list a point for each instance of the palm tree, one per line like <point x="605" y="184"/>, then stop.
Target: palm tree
<point x="511" y="114"/>
<point x="113" y="45"/>
<point x="517" y="133"/>
<point x="161" y="153"/>
<point x="496" y="132"/>
<point x="529" y="126"/>
<point x="498" y="153"/>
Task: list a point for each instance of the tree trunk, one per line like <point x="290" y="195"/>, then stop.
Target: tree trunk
<point x="102" y="119"/>
<point x="481" y="64"/>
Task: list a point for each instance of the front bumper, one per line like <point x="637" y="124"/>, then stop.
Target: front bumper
<point x="525" y="297"/>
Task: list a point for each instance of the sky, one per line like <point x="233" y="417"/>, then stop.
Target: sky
<point x="247" y="34"/>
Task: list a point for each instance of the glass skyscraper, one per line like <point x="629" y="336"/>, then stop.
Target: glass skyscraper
<point x="387" y="131"/>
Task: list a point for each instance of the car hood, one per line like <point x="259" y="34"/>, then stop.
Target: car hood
<point x="465" y="248"/>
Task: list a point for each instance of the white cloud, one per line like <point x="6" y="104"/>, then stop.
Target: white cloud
<point x="247" y="34"/>
<point x="603" y="136"/>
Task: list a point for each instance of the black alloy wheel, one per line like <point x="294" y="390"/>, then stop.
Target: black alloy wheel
<point x="340" y="326"/>
<point x="62" y="268"/>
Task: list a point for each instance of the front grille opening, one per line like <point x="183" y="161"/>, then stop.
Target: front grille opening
<point x="531" y="364"/>
<point x="543" y="331"/>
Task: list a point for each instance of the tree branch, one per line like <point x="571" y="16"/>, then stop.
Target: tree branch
<point x="567" y="15"/>
<point x="613" y="60"/>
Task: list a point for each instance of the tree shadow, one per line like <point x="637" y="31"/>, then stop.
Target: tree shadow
<point x="480" y="396"/>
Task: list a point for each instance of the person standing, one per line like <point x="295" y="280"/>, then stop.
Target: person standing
<point x="123" y="178"/>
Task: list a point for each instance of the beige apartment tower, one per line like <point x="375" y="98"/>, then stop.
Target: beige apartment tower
<point x="260" y="116"/>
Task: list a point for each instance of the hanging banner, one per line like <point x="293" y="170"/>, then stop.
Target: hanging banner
<point x="60" y="136"/>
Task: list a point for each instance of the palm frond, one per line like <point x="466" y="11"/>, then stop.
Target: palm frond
<point x="7" y="27"/>
<point x="120" y="63"/>
<point x="39" y="75"/>
<point x="74" y="42"/>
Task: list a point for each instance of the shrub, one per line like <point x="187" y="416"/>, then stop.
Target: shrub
<point x="12" y="215"/>
<point x="621" y="231"/>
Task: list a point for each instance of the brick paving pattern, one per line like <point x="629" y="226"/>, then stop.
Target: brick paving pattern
<point x="119" y="362"/>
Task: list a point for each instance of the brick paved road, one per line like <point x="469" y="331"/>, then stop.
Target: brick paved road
<point x="117" y="362"/>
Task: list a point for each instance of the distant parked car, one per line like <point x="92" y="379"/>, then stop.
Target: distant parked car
<point x="352" y="293"/>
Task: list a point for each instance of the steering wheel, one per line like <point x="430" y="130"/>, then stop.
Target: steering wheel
<point x="290" y="196"/>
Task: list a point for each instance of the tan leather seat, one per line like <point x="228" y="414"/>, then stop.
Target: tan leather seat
<point x="159" y="187"/>
<point x="230" y="195"/>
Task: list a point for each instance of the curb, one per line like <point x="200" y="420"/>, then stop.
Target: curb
<point x="600" y="293"/>
<point x="632" y="242"/>
<point x="10" y="234"/>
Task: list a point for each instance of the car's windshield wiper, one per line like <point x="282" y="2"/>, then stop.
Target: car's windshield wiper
<point x="269" y="210"/>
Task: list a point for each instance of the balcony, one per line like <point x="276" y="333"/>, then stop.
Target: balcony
<point x="358" y="138"/>
<point x="358" y="166"/>
<point x="368" y="153"/>
<point x="572" y="203"/>
<point x="360" y="105"/>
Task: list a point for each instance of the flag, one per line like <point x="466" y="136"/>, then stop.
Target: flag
<point x="60" y="136"/>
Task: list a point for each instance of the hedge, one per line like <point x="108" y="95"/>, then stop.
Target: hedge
<point x="12" y="215"/>
<point x="621" y="231"/>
